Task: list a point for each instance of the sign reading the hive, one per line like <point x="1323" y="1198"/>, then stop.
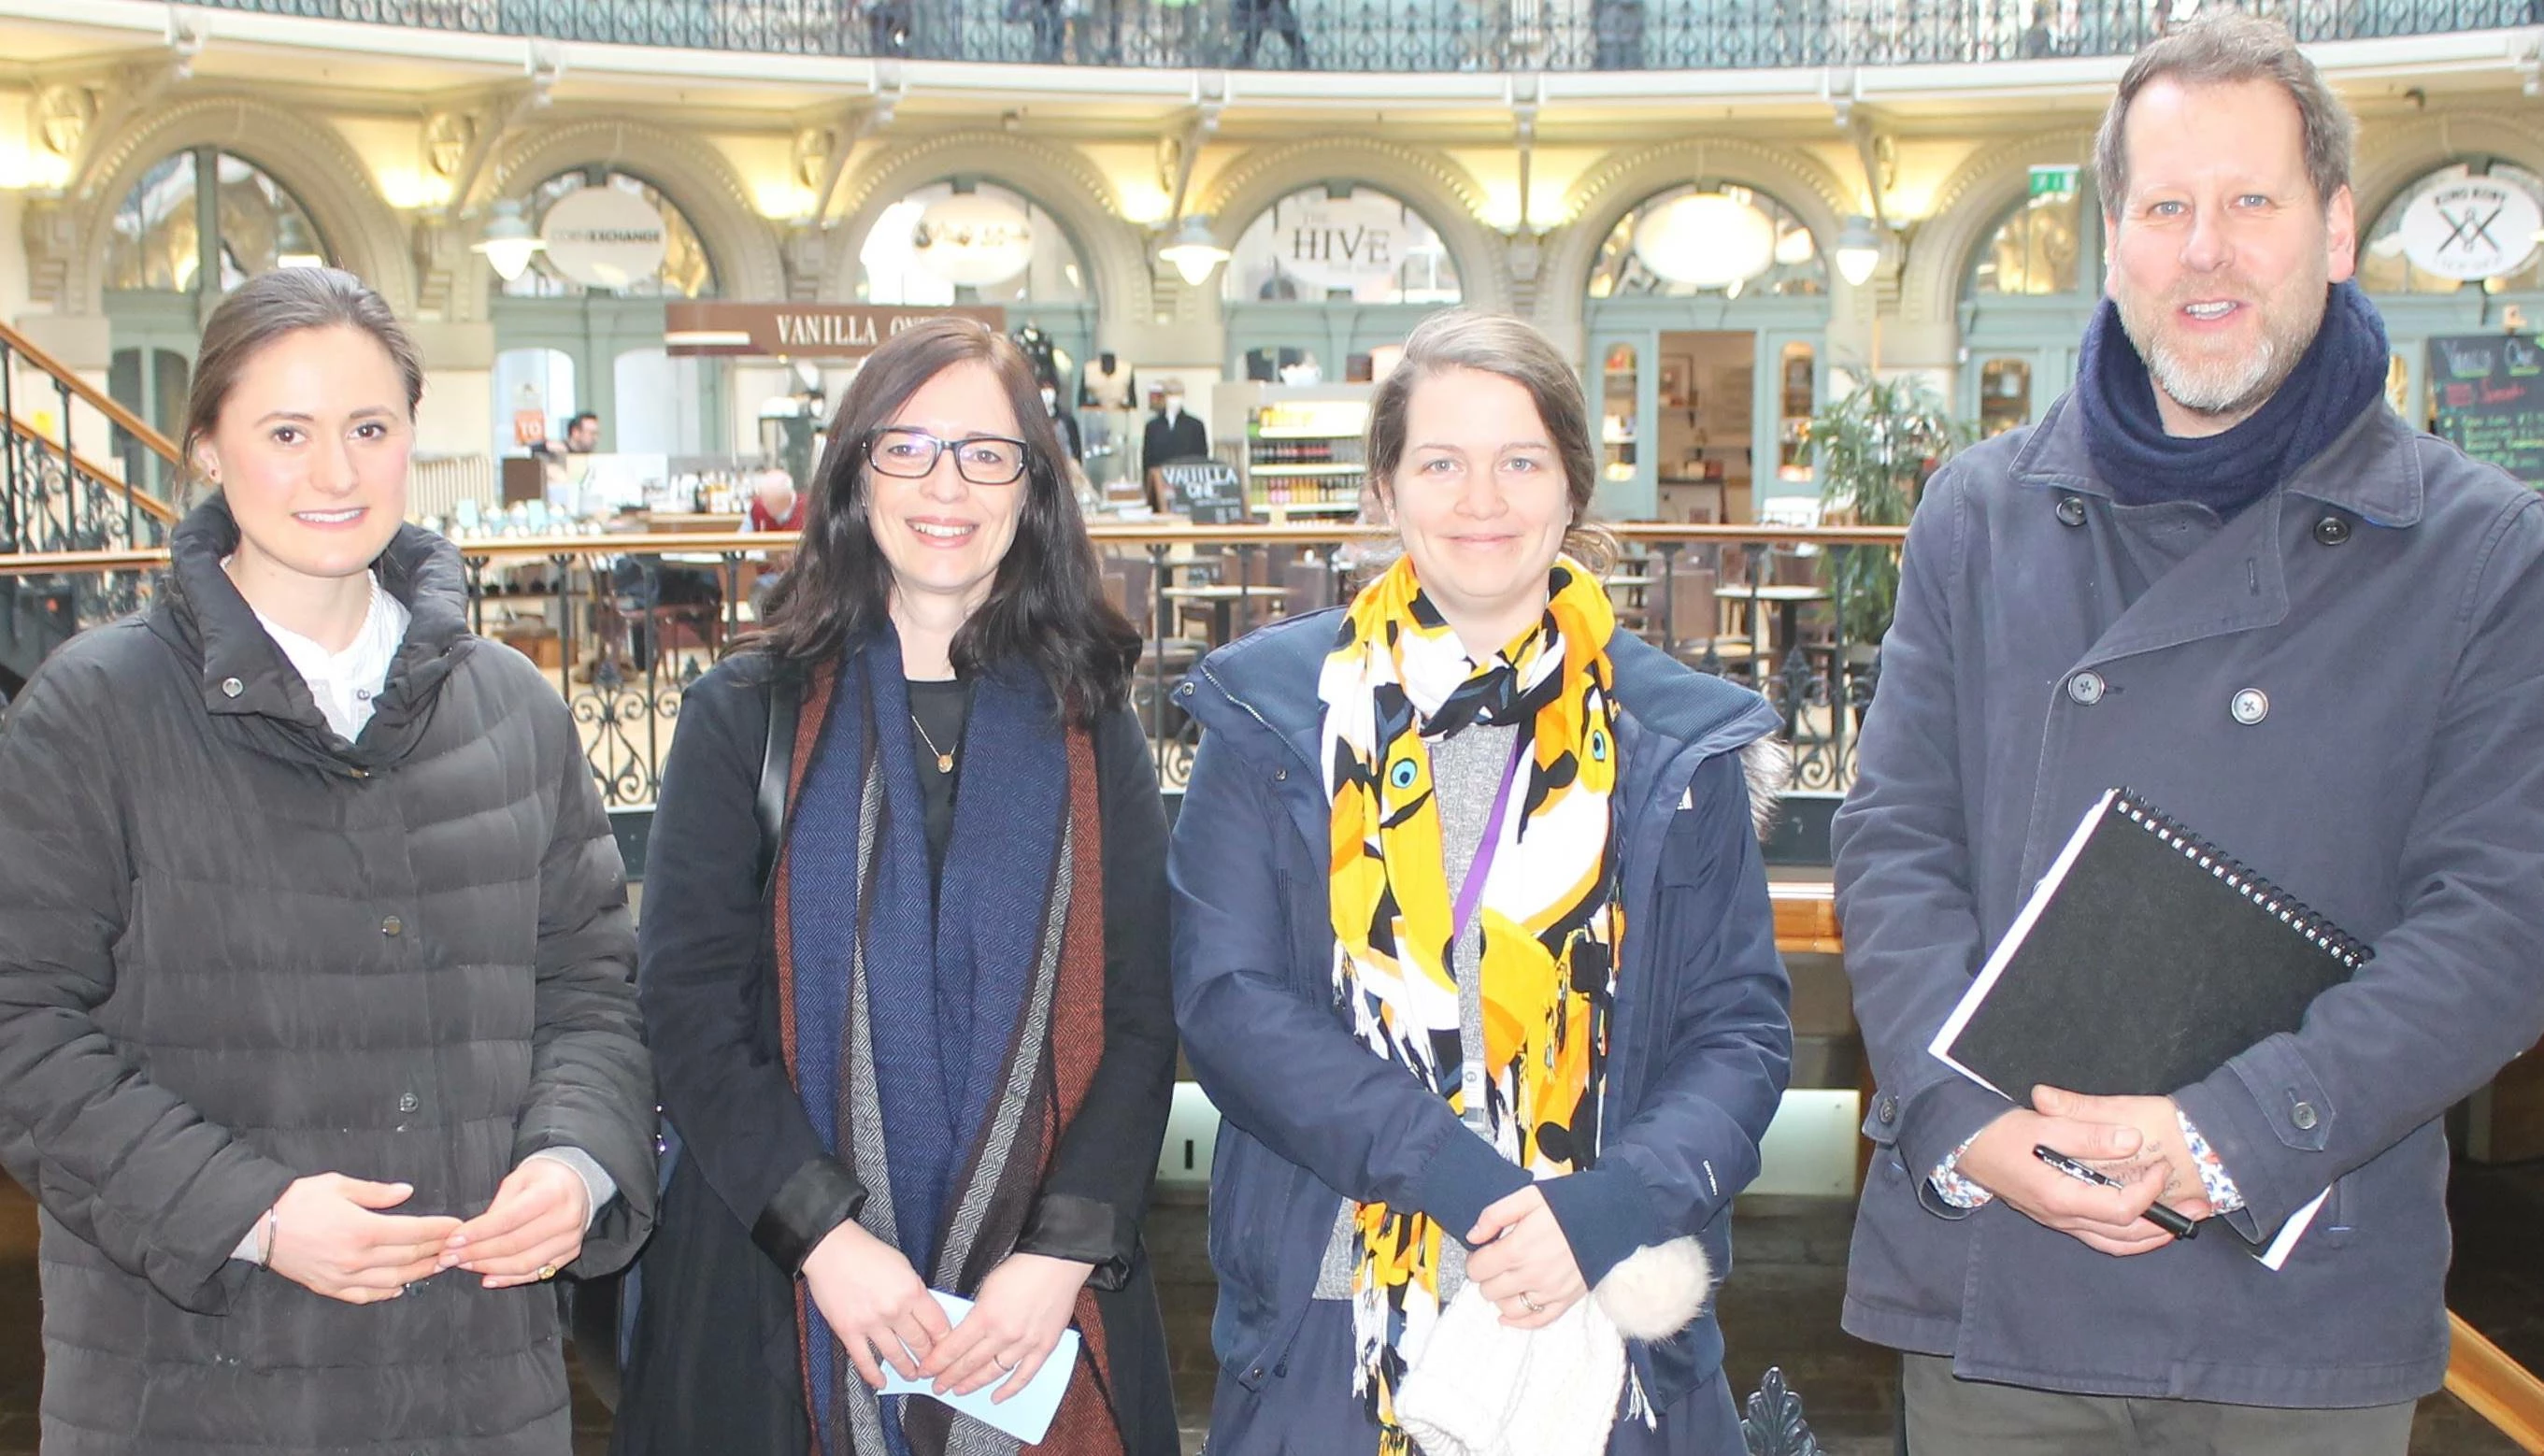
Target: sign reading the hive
<point x="603" y="237"/>
<point x="2489" y="394"/>
<point x="1352" y="243"/>
<point x="2470" y="229"/>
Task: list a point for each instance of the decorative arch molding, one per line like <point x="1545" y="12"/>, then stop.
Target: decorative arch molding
<point x="1965" y="212"/>
<point x="1445" y="195"/>
<point x="2408" y="151"/>
<point x="310" y="158"/>
<point x="1607" y="194"/>
<point x="740" y="244"/>
<point x="1060" y="180"/>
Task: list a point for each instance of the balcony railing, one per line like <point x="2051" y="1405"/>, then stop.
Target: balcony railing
<point x="625" y="623"/>
<point x="1405" y="36"/>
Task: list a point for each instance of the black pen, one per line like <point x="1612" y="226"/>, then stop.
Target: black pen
<point x="2162" y="1217"/>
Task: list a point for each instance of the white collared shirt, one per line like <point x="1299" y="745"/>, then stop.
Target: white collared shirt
<point x="345" y="684"/>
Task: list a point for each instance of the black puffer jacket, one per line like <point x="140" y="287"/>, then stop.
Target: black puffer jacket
<point x="236" y="950"/>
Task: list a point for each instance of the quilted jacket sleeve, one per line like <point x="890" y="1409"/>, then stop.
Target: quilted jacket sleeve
<point x="121" y="1163"/>
<point x="591" y="1086"/>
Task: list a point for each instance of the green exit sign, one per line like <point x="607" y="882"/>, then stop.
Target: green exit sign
<point x="2053" y="181"/>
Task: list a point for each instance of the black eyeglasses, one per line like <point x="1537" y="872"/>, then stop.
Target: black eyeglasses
<point x="983" y="459"/>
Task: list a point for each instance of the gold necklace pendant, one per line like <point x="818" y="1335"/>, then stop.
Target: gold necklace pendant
<point x="944" y="760"/>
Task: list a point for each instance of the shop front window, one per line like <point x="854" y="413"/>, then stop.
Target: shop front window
<point x="959" y="242"/>
<point x="1340" y="244"/>
<point x="2468" y="226"/>
<point x="2036" y="250"/>
<point x="683" y="272"/>
<point x="2004" y="395"/>
<point x="1798" y="396"/>
<point x="1619" y="382"/>
<point x="1710" y="239"/>
<point x="157" y="241"/>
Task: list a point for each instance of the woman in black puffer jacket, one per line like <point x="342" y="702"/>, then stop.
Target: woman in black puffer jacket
<point x="317" y="1039"/>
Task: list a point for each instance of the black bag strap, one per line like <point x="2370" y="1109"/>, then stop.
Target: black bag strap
<point x="776" y="767"/>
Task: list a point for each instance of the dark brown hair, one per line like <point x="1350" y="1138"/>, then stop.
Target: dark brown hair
<point x="1496" y="344"/>
<point x="1046" y="604"/>
<point x="2227" y="49"/>
<point x="268" y="307"/>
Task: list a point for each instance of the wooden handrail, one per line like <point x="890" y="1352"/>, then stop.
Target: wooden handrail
<point x="2479" y="1373"/>
<point x="2498" y="1389"/>
<point x="150" y="505"/>
<point x="96" y="398"/>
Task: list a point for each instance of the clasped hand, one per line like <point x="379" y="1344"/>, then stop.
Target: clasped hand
<point x="2137" y="1140"/>
<point x="1522" y="1261"/>
<point x="881" y="1310"/>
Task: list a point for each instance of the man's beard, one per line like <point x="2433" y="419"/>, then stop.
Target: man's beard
<point x="2223" y="387"/>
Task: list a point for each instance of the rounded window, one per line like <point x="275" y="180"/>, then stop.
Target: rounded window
<point x="2038" y="249"/>
<point x="2472" y="224"/>
<point x="686" y="271"/>
<point x="970" y="242"/>
<point x="1340" y="243"/>
<point x="1710" y="239"/>
<point x="253" y="224"/>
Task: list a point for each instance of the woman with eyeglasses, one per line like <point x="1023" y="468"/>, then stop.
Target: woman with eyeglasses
<point x="903" y="961"/>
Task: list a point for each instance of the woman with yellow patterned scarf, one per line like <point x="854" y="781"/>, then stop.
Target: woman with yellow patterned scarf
<point x="1473" y="955"/>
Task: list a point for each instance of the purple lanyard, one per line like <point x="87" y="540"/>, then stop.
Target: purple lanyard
<point x="1472" y="893"/>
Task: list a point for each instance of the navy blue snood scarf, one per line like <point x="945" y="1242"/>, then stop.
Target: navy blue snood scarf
<point x="2341" y="374"/>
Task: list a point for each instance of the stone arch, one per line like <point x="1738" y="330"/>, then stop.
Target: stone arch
<point x="1608" y="193"/>
<point x="1444" y="193"/>
<point x="2403" y="153"/>
<point x="312" y="160"/>
<point x="1060" y="180"/>
<point x="695" y="176"/>
<point x="1967" y="209"/>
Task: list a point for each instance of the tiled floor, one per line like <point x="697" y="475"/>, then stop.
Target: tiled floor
<point x="1780" y="1308"/>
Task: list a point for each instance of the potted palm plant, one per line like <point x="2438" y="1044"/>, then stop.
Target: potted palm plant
<point x="1876" y="445"/>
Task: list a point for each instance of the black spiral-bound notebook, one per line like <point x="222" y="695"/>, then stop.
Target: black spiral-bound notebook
<point x="2144" y="959"/>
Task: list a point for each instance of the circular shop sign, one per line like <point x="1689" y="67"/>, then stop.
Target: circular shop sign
<point x="2472" y="228"/>
<point x="602" y="237"/>
<point x="973" y="240"/>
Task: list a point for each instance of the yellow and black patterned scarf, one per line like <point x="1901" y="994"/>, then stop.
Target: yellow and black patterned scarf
<point x="1550" y="921"/>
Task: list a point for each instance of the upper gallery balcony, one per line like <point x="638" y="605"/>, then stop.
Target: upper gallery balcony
<point x="1400" y="36"/>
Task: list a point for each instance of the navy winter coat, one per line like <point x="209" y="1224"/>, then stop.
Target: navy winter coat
<point x="1309" y="1117"/>
<point x="2345" y="688"/>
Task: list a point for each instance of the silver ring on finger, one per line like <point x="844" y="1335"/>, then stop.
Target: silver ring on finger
<point x="1532" y="1306"/>
<point x="1005" y="1368"/>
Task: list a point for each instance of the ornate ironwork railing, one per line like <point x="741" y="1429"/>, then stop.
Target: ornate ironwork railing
<point x="625" y="623"/>
<point x="1405" y="36"/>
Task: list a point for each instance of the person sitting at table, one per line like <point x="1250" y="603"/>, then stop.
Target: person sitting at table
<point x="775" y="504"/>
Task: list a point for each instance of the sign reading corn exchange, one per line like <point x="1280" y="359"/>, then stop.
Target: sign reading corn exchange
<point x="805" y="331"/>
<point x="602" y="237"/>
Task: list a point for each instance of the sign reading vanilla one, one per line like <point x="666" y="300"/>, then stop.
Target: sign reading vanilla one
<point x="2470" y="229"/>
<point x="807" y="331"/>
<point x="602" y="237"/>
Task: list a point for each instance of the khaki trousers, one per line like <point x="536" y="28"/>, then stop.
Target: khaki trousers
<point x="1944" y="1415"/>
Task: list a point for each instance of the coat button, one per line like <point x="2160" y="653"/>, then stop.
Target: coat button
<point x="232" y="688"/>
<point x="2250" y="706"/>
<point x="409" y="1101"/>
<point x="2302" y="1114"/>
<point x="392" y="926"/>
<point x="2086" y="687"/>
<point x="2070" y="510"/>
<point x="2332" y="531"/>
<point x="1889" y="1110"/>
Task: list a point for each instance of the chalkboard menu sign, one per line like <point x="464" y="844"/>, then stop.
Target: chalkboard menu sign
<point x="1208" y="491"/>
<point x="2489" y="392"/>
